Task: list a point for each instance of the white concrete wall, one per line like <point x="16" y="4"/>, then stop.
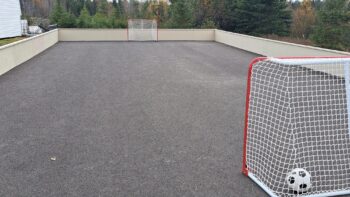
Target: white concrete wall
<point x="16" y="53"/>
<point x="186" y="35"/>
<point x="271" y="48"/>
<point x="262" y="46"/>
<point x="142" y="35"/>
<point x="10" y="18"/>
<point x="122" y="35"/>
<point x="92" y="35"/>
<point x="12" y="55"/>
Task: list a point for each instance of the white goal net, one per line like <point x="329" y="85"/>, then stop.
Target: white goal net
<point x="142" y="30"/>
<point x="297" y="116"/>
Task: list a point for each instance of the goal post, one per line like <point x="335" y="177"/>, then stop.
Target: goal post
<point x="142" y="30"/>
<point x="298" y="117"/>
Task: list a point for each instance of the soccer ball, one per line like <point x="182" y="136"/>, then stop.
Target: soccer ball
<point x="299" y="180"/>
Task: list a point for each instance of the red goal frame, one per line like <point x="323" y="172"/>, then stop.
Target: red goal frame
<point x="245" y="135"/>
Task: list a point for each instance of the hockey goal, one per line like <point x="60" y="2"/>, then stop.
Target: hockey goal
<point x="142" y="30"/>
<point x="298" y="116"/>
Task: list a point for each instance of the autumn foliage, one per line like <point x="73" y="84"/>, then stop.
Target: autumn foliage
<point x="304" y="18"/>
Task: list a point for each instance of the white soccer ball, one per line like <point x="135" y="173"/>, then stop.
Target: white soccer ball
<point x="299" y="180"/>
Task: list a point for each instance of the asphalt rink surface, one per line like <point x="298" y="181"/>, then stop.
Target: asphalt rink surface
<point x="125" y="119"/>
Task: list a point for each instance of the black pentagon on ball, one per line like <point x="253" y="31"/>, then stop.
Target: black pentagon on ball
<point x="302" y="186"/>
<point x="302" y="173"/>
<point x="291" y="180"/>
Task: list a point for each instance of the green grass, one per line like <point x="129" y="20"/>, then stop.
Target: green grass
<point x="10" y="40"/>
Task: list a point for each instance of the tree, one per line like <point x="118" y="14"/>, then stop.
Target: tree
<point x="67" y="20"/>
<point x="228" y="15"/>
<point x="161" y="10"/>
<point x="117" y="20"/>
<point x="116" y="12"/>
<point x="91" y="6"/>
<point x="295" y="4"/>
<point x="121" y="8"/>
<point x="56" y="13"/>
<point x="317" y="4"/>
<point x="180" y="14"/>
<point x="146" y="10"/>
<point x="333" y="25"/>
<point x="202" y="13"/>
<point x="84" y="20"/>
<point x="217" y="9"/>
<point x="134" y="10"/>
<point x="208" y="24"/>
<point x="75" y="6"/>
<point x="61" y="17"/>
<point x="114" y="3"/>
<point x="102" y="7"/>
<point x="100" y="21"/>
<point x="262" y="17"/>
<point x="304" y="18"/>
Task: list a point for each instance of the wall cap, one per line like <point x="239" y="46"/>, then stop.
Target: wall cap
<point x="288" y="43"/>
<point x="27" y="39"/>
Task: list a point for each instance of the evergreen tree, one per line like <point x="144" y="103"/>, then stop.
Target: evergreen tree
<point x="61" y="17"/>
<point x="67" y="20"/>
<point x="180" y="14"/>
<point x="121" y="8"/>
<point x="134" y="10"/>
<point x="317" y="4"/>
<point x="119" y="21"/>
<point x="202" y="13"/>
<point x="88" y="5"/>
<point x="295" y="4"/>
<point x="217" y="10"/>
<point x="333" y="26"/>
<point x="102" y="7"/>
<point x="261" y="17"/>
<point x="75" y="6"/>
<point x="100" y="21"/>
<point x="229" y="15"/>
<point x="208" y="24"/>
<point x="91" y="6"/>
<point x="116" y="12"/>
<point x="116" y="20"/>
<point x="114" y="3"/>
<point x="84" y="20"/>
<point x="56" y="13"/>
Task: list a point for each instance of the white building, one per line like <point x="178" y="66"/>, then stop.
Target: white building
<point x="10" y="18"/>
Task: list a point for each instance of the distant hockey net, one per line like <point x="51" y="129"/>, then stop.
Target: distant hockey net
<point x="297" y="116"/>
<point x="142" y="30"/>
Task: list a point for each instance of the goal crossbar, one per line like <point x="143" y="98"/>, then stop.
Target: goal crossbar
<point x="308" y="61"/>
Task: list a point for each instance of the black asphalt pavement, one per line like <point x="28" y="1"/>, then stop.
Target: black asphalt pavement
<point x="125" y="119"/>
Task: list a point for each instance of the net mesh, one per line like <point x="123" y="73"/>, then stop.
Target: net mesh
<point x="298" y="118"/>
<point x="142" y="30"/>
